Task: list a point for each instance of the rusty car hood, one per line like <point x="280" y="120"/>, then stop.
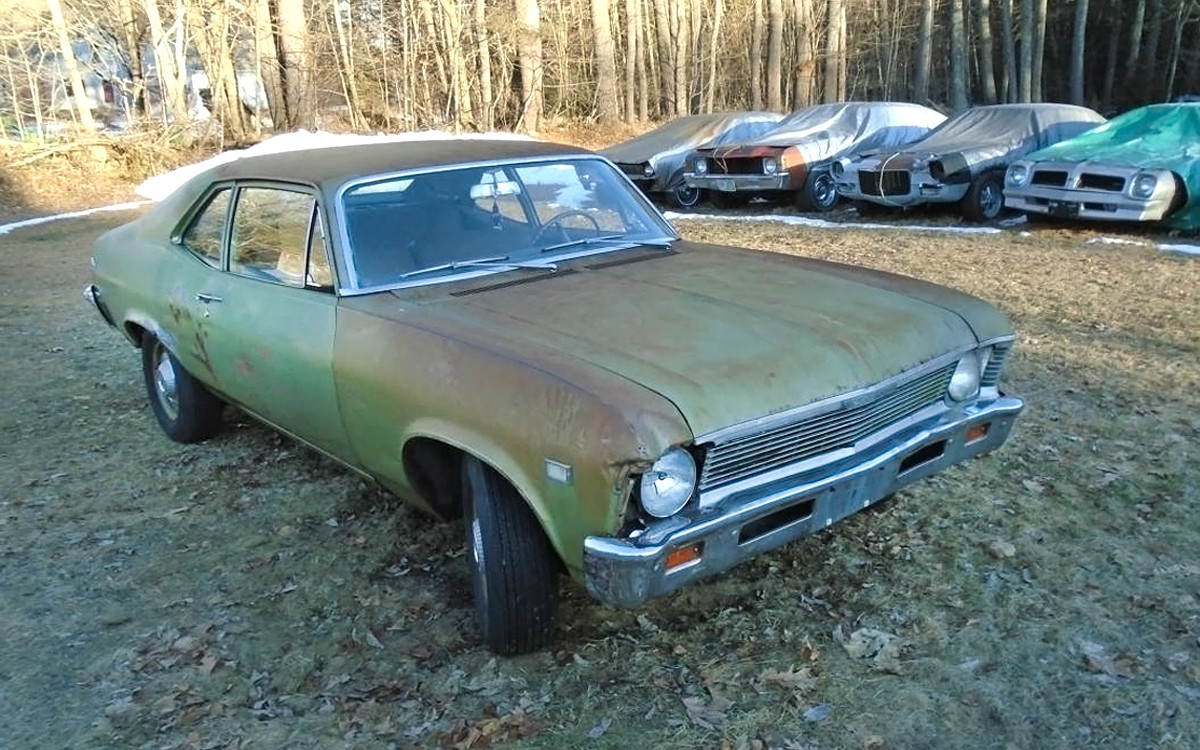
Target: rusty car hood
<point x="725" y="335"/>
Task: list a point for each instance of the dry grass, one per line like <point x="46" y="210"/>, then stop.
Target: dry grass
<point x="247" y="593"/>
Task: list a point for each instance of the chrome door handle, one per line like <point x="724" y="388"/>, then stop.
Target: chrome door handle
<point x="207" y="298"/>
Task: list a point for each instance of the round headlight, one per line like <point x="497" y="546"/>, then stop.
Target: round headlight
<point x="668" y="484"/>
<point x="1143" y="185"/>
<point x="965" y="382"/>
<point x="770" y="165"/>
<point x="1018" y="175"/>
<point x="701" y="166"/>
<point x="647" y="170"/>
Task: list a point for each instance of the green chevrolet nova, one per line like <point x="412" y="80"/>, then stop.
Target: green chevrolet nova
<point x="507" y="332"/>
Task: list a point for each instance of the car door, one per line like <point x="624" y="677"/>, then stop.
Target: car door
<point x="264" y="325"/>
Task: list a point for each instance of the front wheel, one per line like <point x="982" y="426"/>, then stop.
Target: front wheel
<point x="684" y="195"/>
<point x="819" y="192"/>
<point x="186" y="410"/>
<point x="985" y="199"/>
<point x="513" y="566"/>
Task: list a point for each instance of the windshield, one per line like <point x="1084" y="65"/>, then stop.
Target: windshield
<point x="429" y="227"/>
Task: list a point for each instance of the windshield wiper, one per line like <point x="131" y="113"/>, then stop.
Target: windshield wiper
<point x="585" y="241"/>
<point x="500" y="261"/>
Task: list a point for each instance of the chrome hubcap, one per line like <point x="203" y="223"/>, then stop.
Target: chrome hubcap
<point x="165" y="382"/>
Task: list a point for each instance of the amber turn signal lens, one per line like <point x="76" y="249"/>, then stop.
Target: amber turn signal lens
<point x="684" y="555"/>
<point x="977" y="431"/>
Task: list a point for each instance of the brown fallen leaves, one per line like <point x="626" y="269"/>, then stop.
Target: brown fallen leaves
<point x="882" y="648"/>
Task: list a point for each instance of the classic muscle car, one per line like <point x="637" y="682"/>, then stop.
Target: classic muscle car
<point x="963" y="161"/>
<point x="655" y="160"/>
<point x="1141" y="166"/>
<point x="508" y="332"/>
<point x="793" y="159"/>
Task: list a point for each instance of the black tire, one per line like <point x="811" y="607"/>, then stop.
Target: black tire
<point x="985" y="198"/>
<point x="514" y="569"/>
<point x="819" y="193"/>
<point x="186" y="410"/>
<point x="721" y="199"/>
<point x="684" y="195"/>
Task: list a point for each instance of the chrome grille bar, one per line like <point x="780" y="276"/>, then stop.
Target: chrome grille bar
<point x="760" y="452"/>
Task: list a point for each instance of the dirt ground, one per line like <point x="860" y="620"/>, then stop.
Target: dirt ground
<point x="247" y="593"/>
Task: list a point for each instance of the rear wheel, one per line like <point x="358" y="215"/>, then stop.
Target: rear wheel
<point x="985" y="199"/>
<point x="186" y="410"/>
<point x="819" y="192"/>
<point x="684" y="195"/>
<point x="513" y="567"/>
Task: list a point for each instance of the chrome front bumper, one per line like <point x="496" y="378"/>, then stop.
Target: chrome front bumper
<point x="92" y="294"/>
<point x="732" y="183"/>
<point x="1085" y="204"/>
<point x="628" y="572"/>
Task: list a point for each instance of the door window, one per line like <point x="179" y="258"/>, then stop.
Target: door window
<point x="206" y="233"/>
<point x="271" y="233"/>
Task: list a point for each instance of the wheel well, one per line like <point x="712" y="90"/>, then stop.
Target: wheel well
<point x="434" y="469"/>
<point x="135" y="333"/>
<point x="1181" y="194"/>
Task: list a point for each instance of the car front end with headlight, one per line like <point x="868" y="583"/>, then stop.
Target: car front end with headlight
<point x="1092" y="190"/>
<point x="773" y="480"/>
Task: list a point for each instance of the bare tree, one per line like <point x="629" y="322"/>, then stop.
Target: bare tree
<point x="987" y="68"/>
<point x="775" y="55"/>
<point x="170" y="74"/>
<point x="1039" y="50"/>
<point x="80" y="104"/>
<point x="924" y="61"/>
<point x="487" y="114"/>
<point x="1011" y="80"/>
<point x="529" y="52"/>
<point x="1025" y="67"/>
<point x="958" y="57"/>
<point x="1078" y="42"/>
<point x="756" y="61"/>
<point x="834" y="51"/>
<point x="806" y="67"/>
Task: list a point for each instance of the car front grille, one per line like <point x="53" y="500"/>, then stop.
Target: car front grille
<point x="1111" y="183"/>
<point x="746" y="165"/>
<point x="887" y="182"/>
<point x="1049" y="177"/>
<point x="751" y="454"/>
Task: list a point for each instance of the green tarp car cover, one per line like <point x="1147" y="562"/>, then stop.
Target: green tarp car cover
<point x="1160" y="136"/>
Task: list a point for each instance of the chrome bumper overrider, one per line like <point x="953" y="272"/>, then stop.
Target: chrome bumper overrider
<point x="628" y="572"/>
<point x="92" y="295"/>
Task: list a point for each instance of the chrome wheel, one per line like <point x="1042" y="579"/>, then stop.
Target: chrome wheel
<point x="166" y="382"/>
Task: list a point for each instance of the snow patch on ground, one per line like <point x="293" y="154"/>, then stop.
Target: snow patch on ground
<point x="6" y="228"/>
<point x="805" y="221"/>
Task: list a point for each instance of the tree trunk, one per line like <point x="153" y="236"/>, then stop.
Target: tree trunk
<point x="1008" y="45"/>
<point x="756" y="62"/>
<point x="487" y="114"/>
<point x="529" y="54"/>
<point x="806" y="66"/>
<point x="132" y="35"/>
<point x="606" y="64"/>
<point x="1039" y="50"/>
<point x="1078" y="42"/>
<point x="680" y="26"/>
<point x="644" y="50"/>
<point x="79" y="100"/>
<point x="170" y="80"/>
<point x="209" y="24"/>
<point x="1110" y="60"/>
<point x="631" y="59"/>
<point x="834" y="48"/>
<point x="267" y="63"/>
<point x="1137" y="24"/>
<point x="775" y="55"/>
<point x="293" y="45"/>
<point x="924" y="61"/>
<point x="987" y="68"/>
<point x="666" y="56"/>
<point x="1025" y="85"/>
<point x="1149" y="68"/>
<point x="714" y="39"/>
<point x="958" y="57"/>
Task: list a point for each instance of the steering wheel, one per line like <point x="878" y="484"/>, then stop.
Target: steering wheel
<point x="557" y="220"/>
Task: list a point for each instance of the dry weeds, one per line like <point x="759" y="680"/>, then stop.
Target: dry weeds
<point x="248" y="593"/>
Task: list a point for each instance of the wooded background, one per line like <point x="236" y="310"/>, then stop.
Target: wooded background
<point x="486" y="64"/>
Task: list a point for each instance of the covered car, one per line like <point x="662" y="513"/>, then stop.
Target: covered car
<point x="655" y="160"/>
<point x="793" y="159"/>
<point x="963" y="161"/>
<point x="1141" y="166"/>
<point x="508" y="333"/>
